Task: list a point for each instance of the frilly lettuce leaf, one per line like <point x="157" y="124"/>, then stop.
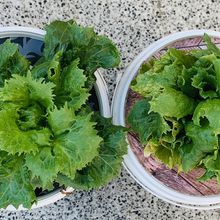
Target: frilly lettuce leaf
<point x="102" y="53"/>
<point x="31" y="117"/>
<point x="206" y="83"/>
<point x="80" y="42"/>
<point x="172" y="103"/>
<point x="107" y="163"/>
<point x="69" y="84"/>
<point x="146" y="124"/>
<point x="169" y="155"/>
<point x="71" y="88"/>
<point x="15" y="187"/>
<point x="175" y="127"/>
<point x="7" y="51"/>
<point x="165" y="60"/>
<point x="61" y="120"/>
<point x="162" y="73"/>
<point x="14" y="140"/>
<point x="58" y="37"/>
<point x="207" y="175"/>
<point x="24" y="104"/>
<point x="210" y="110"/>
<point x="167" y="147"/>
<point x="50" y="69"/>
<point x="184" y="82"/>
<point x="212" y="48"/>
<point x="42" y="165"/>
<point x="77" y="147"/>
<point x="146" y="66"/>
<point x="23" y="90"/>
<point x="217" y="69"/>
<point x="150" y="83"/>
<point x="182" y="57"/>
<point x="12" y="62"/>
<point x="203" y="141"/>
<point x="212" y="166"/>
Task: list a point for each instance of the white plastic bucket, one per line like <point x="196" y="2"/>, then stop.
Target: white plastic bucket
<point x="101" y="92"/>
<point x="131" y="163"/>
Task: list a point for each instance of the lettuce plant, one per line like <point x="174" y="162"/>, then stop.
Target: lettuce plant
<point x="178" y="118"/>
<point x="48" y="133"/>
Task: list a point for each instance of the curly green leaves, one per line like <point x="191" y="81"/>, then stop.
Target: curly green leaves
<point x="80" y="42"/>
<point x="46" y="129"/>
<point x="71" y="88"/>
<point x="24" y="90"/>
<point x="144" y="123"/>
<point x="77" y="147"/>
<point x="15" y="187"/>
<point x="172" y="103"/>
<point x="11" y="61"/>
<point x="182" y="89"/>
<point x="108" y="161"/>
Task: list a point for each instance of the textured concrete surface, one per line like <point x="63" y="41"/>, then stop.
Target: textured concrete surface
<point x="133" y="25"/>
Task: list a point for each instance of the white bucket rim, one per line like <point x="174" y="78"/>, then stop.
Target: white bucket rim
<point x="101" y="92"/>
<point x="131" y="163"/>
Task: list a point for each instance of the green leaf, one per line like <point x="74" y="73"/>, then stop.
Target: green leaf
<point x="172" y="140"/>
<point x="206" y="176"/>
<point x="146" y="84"/>
<point x="36" y="183"/>
<point x="49" y="69"/>
<point x="212" y="162"/>
<point x="107" y="164"/>
<point x="70" y="84"/>
<point x="144" y="123"/>
<point x="167" y="147"/>
<point x="182" y="57"/>
<point x="204" y="141"/>
<point x="172" y="103"/>
<point x="160" y="64"/>
<point x="206" y="83"/>
<point x="217" y="70"/>
<point x="80" y="42"/>
<point x="175" y="127"/>
<point x="15" y="187"/>
<point x="61" y="120"/>
<point x="197" y="53"/>
<point x="30" y="117"/>
<point x="212" y="64"/>
<point x="146" y="66"/>
<point x="41" y="137"/>
<point x="13" y="140"/>
<point x="23" y="90"/>
<point x="210" y="45"/>
<point x="102" y="53"/>
<point x="184" y="82"/>
<point x="12" y="62"/>
<point x="210" y="110"/>
<point x="212" y="165"/>
<point x="18" y="65"/>
<point x="171" y="157"/>
<point x="58" y="37"/>
<point x="7" y="51"/>
<point x="151" y="82"/>
<point x="42" y="165"/>
<point x="15" y="90"/>
<point x="72" y="87"/>
<point x="77" y="147"/>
